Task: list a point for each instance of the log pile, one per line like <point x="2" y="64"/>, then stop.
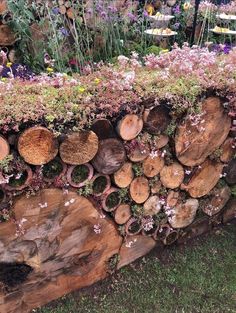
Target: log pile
<point x="69" y="195"/>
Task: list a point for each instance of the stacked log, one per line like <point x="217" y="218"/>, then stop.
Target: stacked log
<point x="72" y="193"/>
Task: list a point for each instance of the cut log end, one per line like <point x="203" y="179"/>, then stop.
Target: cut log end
<point x="172" y="176"/>
<point x="122" y="214"/>
<point x="124" y="176"/>
<point x="152" y="166"/>
<point x="130" y="126"/>
<point x="139" y="189"/>
<point x="4" y="148"/>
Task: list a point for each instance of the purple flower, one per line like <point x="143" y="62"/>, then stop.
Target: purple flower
<point x="112" y="9"/>
<point x="176" y="26"/>
<point x="55" y="10"/>
<point x="64" y="31"/>
<point x="145" y="13"/>
<point x="103" y="15"/>
<point x="132" y="17"/>
<point x="176" y="9"/>
<point x="227" y="49"/>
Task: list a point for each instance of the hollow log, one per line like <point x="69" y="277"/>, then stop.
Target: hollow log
<point x="153" y="165"/>
<point x="230" y="211"/>
<point x="152" y="206"/>
<point x="228" y="150"/>
<point x="204" y="179"/>
<point x="183" y="214"/>
<point x="103" y="129"/>
<point x="139" y="189"/>
<point x="63" y="239"/>
<point x="219" y="197"/>
<point x="230" y="172"/>
<point x="194" y="143"/>
<point x="110" y="156"/>
<point x="172" y="176"/>
<point x="4" y="148"/>
<point x="111" y="200"/>
<point x="124" y="176"/>
<point x="7" y="37"/>
<point x="79" y="147"/>
<point x="122" y="214"/>
<point x="133" y="226"/>
<point x="135" y="247"/>
<point x="156" y="120"/>
<point x="37" y="145"/>
<point x="129" y="127"/>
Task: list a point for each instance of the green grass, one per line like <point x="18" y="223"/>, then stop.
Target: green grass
<point x="199" y="278"/>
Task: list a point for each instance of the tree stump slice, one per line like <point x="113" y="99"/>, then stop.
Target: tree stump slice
<point x="134" y="248"/>
<point x="217" y="200"/>
<point x="122" y="214"/>
<point x="230" y="211"/>
<point x="129" y="127"/>
<point x="172" y="176"/>
<point x="79" y="147"/>
<point x="37" y="145"/>
<point x="162" y="141"/>
<point x="7" y="37"/>
<point x="152" y="206"/>
<point x="230" y="172"/>
<point x="156" y="120"/>
<point x="228" y="150"/>
<point x="204" y="179"/>
<point x="193" y="145"/>
<point x="183" y="213"/>
<point x="153" y="165"/>
<point x="110" y="156"/>
<point x="139" y="189"/>
<point x="124" y="176"/>
<point x="172" y="198"/>
<point x="62" y="243"/>
<point x="138" y="154"/>
<point x="103" y="129"/>
<point x="4" y="148"/>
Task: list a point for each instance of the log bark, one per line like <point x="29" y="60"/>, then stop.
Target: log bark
<point x="122" y="214"/>
<point x="4" y="148"/>
<point x="130" y="126"/>
<point x="194" y="143"/>
<point x="110" y="156"/>
<point x="152" y="206"/>
<point x="199" y="227"/>
<point x="124" y="176"/>
<point x="230" y="172"/>
<point x="219" y="197"/>
<point x="37" y="145"/>
<point x="153" y="165"/>
<point x="228" y="150"/>
<point x="204" y="179"/>
<point x="134" y="248"/>
<point x="230" y="211"/>
<point x="65" y="243"/>
<point x="156" y="120"/>
<point x="79" y="147"/>
<point x="172" y="176"/>
<point x="103" y="129"/>
<point x="139" y="189"/>
<point x="183" y="213"/>
<point x="7" y="37"/>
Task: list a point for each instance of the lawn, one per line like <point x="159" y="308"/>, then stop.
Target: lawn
<point x="198" y="278"/>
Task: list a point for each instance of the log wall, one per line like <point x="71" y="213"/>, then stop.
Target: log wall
<point x="89" y="202"/>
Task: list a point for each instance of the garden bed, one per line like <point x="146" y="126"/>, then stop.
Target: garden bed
<point x="159" y="135"/>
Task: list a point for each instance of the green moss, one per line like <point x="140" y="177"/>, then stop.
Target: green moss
<point x="79" y="174"/>
<point x="52" y="169"/>
<point x="112" y="200"/>
<point x="99" y="184"/>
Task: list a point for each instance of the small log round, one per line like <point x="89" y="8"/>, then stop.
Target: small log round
<point x="204" y="179"/>
<point x="172" y="176"/>
<point x="111" y="200"/>
<point x="217" y="201"/>
<point x="37" y="145"/>
<point x="156" y="187"/>
<point x="153" y="165"/>
<point x="228" y="150"/>
<point x="79" y="147"/>
<point x="183" y="213"/>
<point x="139" y="189"/>
<point x="162" y="141"/>
<point x="4" y="148"/>
<point x="19" y="181"/>
<point x="122" y="214"/>
<point x="166" y="234"/>
<point x="156" y="120"/>
<point x="133" y="226"/>
<point x="194" y="144"/>
<point x="138" y="154"/>
<point x="79" y="175"/>
<point x="110" y="156"/>
<point x="55" y="169"/>
<point x="103" y="129"/>
<point x="124" y="176"/>
<point x="129" y="127"/>
<point x="101" y="184"/>
<point x="230" y="172"/>
<point x="172" y="198"/>
<point x="152" y="206"/>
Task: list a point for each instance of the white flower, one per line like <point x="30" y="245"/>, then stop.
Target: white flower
<point x="67" y="203"/>
<point x="43" y="205"/>
<point x="97" y="228"/>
